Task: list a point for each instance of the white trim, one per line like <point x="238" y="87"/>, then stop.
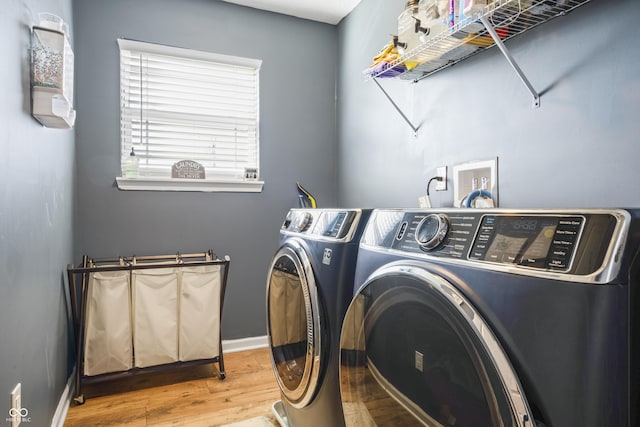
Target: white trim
<point x="60" y="415"/>
<point x="243" y="344"/>
<point x="192" y="108"/>
<point x="172" y="184"/>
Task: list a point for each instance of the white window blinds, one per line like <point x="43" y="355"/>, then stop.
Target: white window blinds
<point x="181" y="104"/>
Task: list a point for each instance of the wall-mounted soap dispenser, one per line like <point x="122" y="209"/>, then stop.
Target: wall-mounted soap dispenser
<point x="52" y="73"/>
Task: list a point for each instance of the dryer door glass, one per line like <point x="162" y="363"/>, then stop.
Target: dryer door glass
<point x="293" y="326"/>
<point x="409" y="353"/>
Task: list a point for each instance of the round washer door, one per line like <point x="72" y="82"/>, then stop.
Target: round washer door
<point x="293" y="324"/>
<point x="414" y="351"/>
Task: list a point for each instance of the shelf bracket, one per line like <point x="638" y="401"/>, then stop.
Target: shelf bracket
<point x="510" y="60"/>
<point x="406" y="119"/>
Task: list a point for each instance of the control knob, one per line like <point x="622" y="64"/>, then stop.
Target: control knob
<point x="302" y="222"/>
<point x="431" y="231"/>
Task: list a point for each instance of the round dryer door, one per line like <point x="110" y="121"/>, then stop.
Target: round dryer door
<point x="414" y="351"/>
<point x="293" y="324"/>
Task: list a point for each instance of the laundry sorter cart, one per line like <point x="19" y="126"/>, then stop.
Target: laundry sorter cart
<point x="146" y="314"/>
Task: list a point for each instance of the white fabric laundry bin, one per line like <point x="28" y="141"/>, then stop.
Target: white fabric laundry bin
<point x="108" y="333"/>
<point x="200" y="312"/>
<point x="155" y="316"/>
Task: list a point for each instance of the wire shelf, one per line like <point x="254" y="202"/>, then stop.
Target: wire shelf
<point x="470" y="36"/>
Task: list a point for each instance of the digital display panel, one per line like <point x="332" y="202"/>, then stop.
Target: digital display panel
<point x="335" y="224"/>
<point x="517" y="240"/>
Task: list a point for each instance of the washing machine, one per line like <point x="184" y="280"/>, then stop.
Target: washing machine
<point x="310" y="285"/>
<point x="494" y="318"/>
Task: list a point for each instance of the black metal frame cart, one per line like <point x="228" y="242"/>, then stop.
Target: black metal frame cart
<point x="146" y="314"/>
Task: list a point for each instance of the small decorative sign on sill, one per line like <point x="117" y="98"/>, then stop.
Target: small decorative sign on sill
<point x="250" y="174"/>
<point x="187" y="169"/>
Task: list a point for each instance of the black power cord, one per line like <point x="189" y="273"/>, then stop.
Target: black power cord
<point x="435" y="178"/>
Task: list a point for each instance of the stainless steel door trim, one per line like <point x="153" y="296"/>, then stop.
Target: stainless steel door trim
<point x="482" y="330"/>
<point x="305" y="392"/>
<point x="605" y="274"/>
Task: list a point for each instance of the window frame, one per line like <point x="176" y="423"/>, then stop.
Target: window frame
<point x="214" y="184"/>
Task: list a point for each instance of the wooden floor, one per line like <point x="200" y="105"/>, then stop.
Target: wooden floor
<point x="190" y="397"/>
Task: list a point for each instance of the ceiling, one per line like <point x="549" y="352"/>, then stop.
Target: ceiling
<point x="329" y="11"/>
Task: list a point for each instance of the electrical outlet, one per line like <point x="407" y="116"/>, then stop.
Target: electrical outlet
<point x="16" y="406"/>
<point x="441" y="172"/>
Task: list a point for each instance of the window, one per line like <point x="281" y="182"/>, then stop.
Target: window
<point x="180" y="104"/>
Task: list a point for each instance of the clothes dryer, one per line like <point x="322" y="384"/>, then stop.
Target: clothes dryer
<point x="309" y="287"/>
<point x="494" y="318"/>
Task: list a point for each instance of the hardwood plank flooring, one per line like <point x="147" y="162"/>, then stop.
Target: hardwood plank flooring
<point x="189" y="397"/>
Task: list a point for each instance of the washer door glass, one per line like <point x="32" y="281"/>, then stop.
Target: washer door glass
<point x="293" y="325"/>
<point x="414" y="351"/>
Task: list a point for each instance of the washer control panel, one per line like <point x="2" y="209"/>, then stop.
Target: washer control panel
<point x="546" y="242"/>
<point x="571" y="242"/>
<point x="453" y="239"/>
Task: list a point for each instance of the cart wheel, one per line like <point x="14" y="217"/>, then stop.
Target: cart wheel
<point x="222" y="375"/>
<point x="79" y="400"/>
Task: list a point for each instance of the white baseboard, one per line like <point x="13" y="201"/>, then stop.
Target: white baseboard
<point x="228" y="346"/>
<point x="65" y="400"/>
<point x="242" y="344"/>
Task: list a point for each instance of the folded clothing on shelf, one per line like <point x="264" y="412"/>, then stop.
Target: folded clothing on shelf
<point x="381" y="66"/>
<point x="384" y="69"/>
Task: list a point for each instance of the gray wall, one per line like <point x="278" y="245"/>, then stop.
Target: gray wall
<point x="36" y="219"/>
<point x="580" y="148"/>
<point x="297" y="136"/>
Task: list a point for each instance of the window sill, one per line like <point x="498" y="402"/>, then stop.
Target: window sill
<point x="172" y="184"/>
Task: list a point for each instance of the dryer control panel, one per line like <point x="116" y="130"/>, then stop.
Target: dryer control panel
<point x="572" y="242"/>
<point x="322" y="223"/>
